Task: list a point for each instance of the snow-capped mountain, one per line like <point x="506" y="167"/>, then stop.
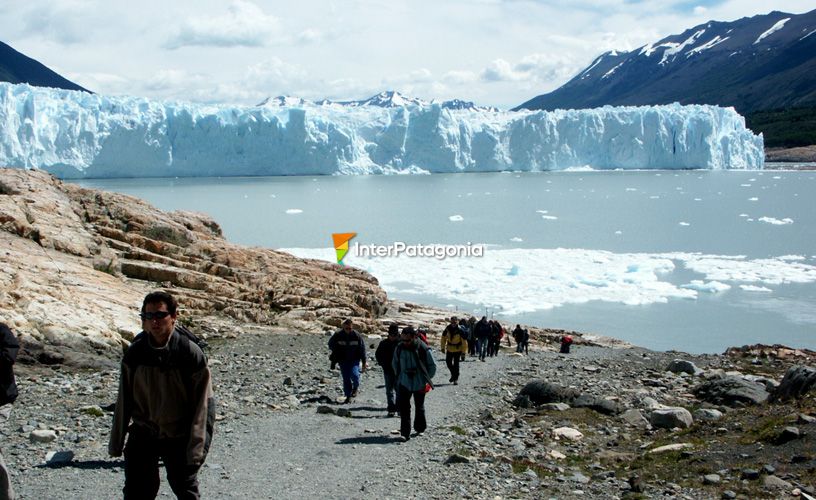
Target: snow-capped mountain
<point x="757" y="63"/>
<point x="388" y="99"/>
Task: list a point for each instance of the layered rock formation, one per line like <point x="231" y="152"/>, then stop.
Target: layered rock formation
<point x="75" y="264"/>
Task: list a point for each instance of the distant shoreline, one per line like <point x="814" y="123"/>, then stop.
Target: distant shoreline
<point x="806" y="154"/>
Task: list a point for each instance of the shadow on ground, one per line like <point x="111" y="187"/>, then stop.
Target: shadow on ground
<point x="370" y="440"/>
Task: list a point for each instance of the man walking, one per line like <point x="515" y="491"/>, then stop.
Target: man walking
<point x="348" y="347"/>
<point x="415" y="367"/>
<point x="165" y="405"/>
<point x="8" y="393"/>
<point x="483" y="335"/>
<point x="385" y="358"/>
<point x="454" y="346"/>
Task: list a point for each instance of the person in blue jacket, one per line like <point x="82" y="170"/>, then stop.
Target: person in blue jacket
<point x="415" y="368"/>
<point x="348" y="349"/>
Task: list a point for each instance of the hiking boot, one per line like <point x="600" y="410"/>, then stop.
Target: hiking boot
<point x="404" y="438"/>
<point x="354" y="393"/>
<point x="347" y="401"/>
<point x="455" y="382"/>
<point x="391" y="414"/>
<point x="450" y="379"/>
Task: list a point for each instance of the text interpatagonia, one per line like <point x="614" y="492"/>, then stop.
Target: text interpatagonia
<point x="399" y="248"/>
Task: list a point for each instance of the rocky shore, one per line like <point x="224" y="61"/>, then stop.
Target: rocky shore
<point x="608" y="420"/>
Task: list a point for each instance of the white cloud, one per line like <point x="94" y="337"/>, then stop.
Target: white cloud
<point x="700" y="10"/>
<point x="244" y="24"/>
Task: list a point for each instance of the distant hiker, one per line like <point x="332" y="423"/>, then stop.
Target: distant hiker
<point x="472" y="341"/>
<point x="8" y="393"/>
<point x="385" y="358"/>
<point x="466" y="331"/>
<point x="525" y="341"/>
<point x="522" y="338"/>
<point x="566" y="342"/>
<point x="495" y="338"/>
<point x="482" y="331"/>
<point x="454" y="346"/>
<point x="348" y="348"/>
<point x="165" y="405"/>
<point x="415" y="368"/>
<point x="422" y="335"/>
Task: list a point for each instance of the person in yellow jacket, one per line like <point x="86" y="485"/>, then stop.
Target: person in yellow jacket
<point x="455" y="346"/>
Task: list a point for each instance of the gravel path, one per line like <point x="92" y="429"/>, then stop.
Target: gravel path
<point x="292" y="453"/>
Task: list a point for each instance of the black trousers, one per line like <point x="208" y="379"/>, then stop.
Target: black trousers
<point x="452" y="360"/>
<point x="142" y="455"/>
<point x="404" y="406"/>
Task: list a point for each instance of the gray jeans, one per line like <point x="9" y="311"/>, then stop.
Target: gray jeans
<point x="6" y="491"/>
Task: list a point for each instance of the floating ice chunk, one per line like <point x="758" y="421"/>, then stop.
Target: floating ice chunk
<point x="753" y="199"/>
<point x="516" y="239"/>
<point x="698" y="199"/>
<point x="791" y="257"/>
<point x="456" y="218"/>
<point x="618" y="232"/>
<point x="631" y="189"/>
<point x="549" y="217"/>
<point x="710" y="287"/>
<point x="542" y="211"/>
<point x="743" y="215"/>
<point x="745" y="185"/>
<point x="294" y="211"/>
<point x="754" y="288"/>
<point x="684" y="224"/>
<point x="776" y="222"/>
<point x="654" y="197"/>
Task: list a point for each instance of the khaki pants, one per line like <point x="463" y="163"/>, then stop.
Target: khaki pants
<point x="6" y="491"/>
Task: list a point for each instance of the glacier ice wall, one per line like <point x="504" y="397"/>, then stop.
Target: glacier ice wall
<point x="76" y="134"/>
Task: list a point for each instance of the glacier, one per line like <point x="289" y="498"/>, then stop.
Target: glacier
<point x="74" y="134"/>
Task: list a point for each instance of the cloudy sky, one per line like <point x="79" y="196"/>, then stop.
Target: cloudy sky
<point x="492" y="52"/>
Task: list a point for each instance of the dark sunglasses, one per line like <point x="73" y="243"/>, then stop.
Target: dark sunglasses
<point x="154" y="315"/>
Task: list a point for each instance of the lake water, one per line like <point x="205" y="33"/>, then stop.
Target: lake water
<point x="691" y="260"/>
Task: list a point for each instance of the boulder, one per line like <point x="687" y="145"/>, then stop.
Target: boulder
<point x="567" y="433"/>
<point x="731" y="391"/>
<point x="539" y="392"/>
<point x="797" y="382"/>
<point x="683" y="366"/>
<point x="669" y="418"/>
<point x="707" y="414"/>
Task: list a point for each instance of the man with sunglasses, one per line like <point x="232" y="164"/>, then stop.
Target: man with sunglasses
<point x="165" y="405"/>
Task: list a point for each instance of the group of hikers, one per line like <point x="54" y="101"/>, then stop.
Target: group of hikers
<point x="408" y="364"/>
<point x="165" y="409"/>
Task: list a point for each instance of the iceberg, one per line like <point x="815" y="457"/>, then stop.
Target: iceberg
<point x="74" y="134"/>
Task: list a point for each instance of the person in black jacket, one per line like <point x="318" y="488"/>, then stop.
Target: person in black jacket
<point x="348" y="348"/>
<point x="8" y="393"/>
<point x="165" y="406"/>
<point x="385" y="358"/>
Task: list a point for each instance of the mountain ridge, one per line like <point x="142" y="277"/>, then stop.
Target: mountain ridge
<point x="16" y="67"/>
<point x="758" y="63"/>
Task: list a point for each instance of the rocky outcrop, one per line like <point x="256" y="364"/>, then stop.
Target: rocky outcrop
<point x="76" y="263"/>
<point x="797" y="382"/>
<point x="731" y="391"/>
